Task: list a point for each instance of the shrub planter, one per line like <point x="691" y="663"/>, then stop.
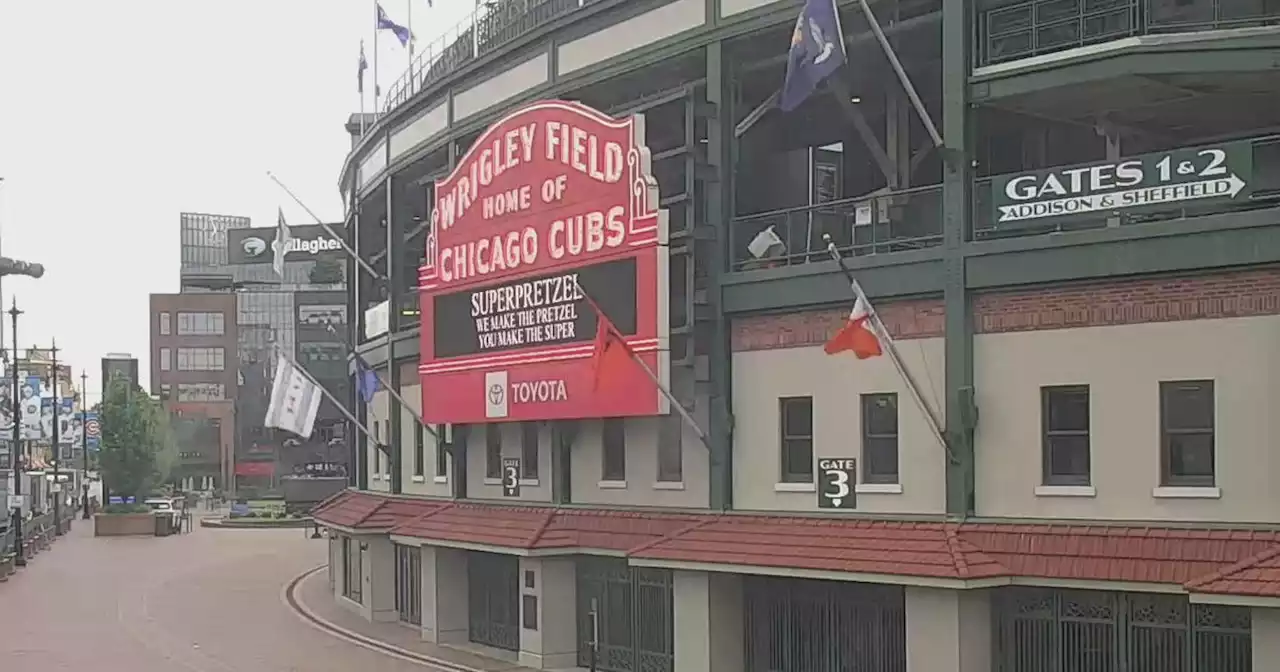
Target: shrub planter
<point x="124" y="524"/>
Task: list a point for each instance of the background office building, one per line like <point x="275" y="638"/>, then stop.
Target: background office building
<point x="193" y="350"/>
<point x="227" y="255"/>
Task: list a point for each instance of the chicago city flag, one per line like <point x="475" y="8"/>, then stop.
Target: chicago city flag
<point x="295" y="400"/>
<point x="858" y="335"/>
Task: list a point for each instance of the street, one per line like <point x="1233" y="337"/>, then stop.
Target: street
<point x="208" y="601"/>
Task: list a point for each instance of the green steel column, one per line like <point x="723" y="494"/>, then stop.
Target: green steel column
<point x="716" y="191"/>
<point x="395" y="273"/>
<point x="956" y="212"/>
<point x="357" y="279"/>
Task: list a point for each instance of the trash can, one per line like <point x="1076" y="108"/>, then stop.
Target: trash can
<point x="164" y="524"/>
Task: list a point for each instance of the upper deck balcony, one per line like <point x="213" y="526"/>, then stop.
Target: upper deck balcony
<point x="1009" y="30"/>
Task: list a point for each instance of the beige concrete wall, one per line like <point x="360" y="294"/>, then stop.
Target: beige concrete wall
<point x="641" y="487"/>
<point x="429" y="483"/>
<point x="1123" y="366"/>
<point x="762" y="377"/>
<point x="1266" y="638"/>
<point x="948" y="630"/>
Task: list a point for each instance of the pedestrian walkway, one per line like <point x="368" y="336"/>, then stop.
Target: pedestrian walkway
<point x="209" y="601"/>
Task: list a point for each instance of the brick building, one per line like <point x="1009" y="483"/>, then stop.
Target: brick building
<point x="193" y="355"/>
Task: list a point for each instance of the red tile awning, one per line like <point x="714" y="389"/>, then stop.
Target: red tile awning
<point x="1258" y="576"/>
<point x="1115" y="553"/>
<point x="825" y="544"/>
<point x="1223" y="561"/>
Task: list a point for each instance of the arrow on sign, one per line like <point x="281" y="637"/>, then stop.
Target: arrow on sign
<point x="1223" y="187"/>
<point x="835" y="501"/>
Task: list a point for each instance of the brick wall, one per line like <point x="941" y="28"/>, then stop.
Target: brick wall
<point x="1076" y="305"/>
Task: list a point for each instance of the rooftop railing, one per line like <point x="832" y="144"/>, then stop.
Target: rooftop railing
<point x="898" y="221"/>
<point x="492" y="26"/>
<point x="1008" y="30"/>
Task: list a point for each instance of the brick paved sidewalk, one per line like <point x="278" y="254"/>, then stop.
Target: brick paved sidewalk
<point x="208" y="601"/>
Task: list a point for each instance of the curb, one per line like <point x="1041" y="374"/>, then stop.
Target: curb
<point x="263" y="524"/>
<point x="289" y="596"/>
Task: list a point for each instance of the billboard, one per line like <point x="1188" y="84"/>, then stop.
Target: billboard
<point x="310" y="243"/>
<point x="554" y="203"/>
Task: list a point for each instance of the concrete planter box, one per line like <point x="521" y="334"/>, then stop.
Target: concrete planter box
<point x="7" y="567"/>
<point x="124" y="524"/>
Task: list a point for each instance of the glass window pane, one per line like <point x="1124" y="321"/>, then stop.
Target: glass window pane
<point x="1068" y="410"/>
<point x="1188" y="405"/>
<point x="1191" y="454"/>
<point x="880" y="414"/>
<point x="1069" y="456"/>
<point x="797" y="456"/>
<point x="797" y="416"/>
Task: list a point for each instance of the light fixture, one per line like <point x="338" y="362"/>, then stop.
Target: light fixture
<point x="855" y="100"/>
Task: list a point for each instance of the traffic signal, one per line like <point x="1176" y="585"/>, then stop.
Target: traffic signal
<point x="14" y="267"/>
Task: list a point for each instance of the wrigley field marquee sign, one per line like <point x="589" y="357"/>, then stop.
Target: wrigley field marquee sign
<point x="1152" y="181"/>
<point x="553" y="204"/>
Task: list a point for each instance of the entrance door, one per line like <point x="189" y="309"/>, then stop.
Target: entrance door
<point x="409" y="583"/>
<point x="633" y="620"/>
<point x="494" y="593"/>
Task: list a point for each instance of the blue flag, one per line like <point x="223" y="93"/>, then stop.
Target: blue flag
<point x="364" y="65"/>
<point x="817" y="50"/>
<point x="366" y="381"/>
<point x="385" y="23"/>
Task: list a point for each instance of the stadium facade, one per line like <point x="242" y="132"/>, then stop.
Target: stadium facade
<point x="1063" y="461"/>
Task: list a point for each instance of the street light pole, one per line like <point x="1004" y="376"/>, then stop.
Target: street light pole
<point x="84" y="438"/>
<point x="56" y="443"/>
<point x="19" y="558"/>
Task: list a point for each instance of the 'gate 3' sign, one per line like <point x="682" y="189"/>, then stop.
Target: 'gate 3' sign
<point x="553" y="203"/>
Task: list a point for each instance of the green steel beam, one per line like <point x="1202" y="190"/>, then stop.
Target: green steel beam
<point x="719" y="209"/>
<point x="821" y="284"/>
<point x="957" y="186"/>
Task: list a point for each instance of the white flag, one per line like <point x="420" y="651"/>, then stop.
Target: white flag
<point x="295" y="400"/>
<point x="766" y="244"/>
<point x="281" y="244"/>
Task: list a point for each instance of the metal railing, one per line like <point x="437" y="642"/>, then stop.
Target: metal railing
<point x="1264" y="192"/>
<point x="30" y="528"/>
<point x="897" y="221"/>
<point x="1007" y="30"/>
<point x="492" y="26"/>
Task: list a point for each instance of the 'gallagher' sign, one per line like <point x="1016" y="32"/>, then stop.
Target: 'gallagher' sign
<point x="1151" y="180"/>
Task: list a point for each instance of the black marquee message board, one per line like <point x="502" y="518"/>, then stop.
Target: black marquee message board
<point x="542" y="310"/>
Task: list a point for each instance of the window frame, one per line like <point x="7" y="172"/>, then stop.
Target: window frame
<point x="442" y="455"/>
<point x="493" y="451"/>
<point x="166" y="359"/>
<point x="866" y="403"/>
<point x="613" y="450"/>
<point x="1167" y="477"/>
<point x="670" y="462"/>
<point x="166" y="324"/>
<point x="529" y="430"/>
<point x="786" y="439"/>
<point x="419" y="450"/>
<point x="1048" y="434"/>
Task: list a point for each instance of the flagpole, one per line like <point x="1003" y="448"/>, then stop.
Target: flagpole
<point x="395" y="394"/>
<point x="409" y="24"/>
<point x="376" y="85"/>
<point x="675" y="403"/>
<point x="361" y="66"/>
<point x="892" y="348"/>
<point x="363" y="264"/>
<point x="902" y="74"/>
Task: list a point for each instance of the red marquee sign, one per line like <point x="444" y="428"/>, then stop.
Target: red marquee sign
<point x="554" y="203"/>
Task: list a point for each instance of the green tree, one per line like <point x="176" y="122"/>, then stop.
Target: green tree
<point x="133" y="433"/>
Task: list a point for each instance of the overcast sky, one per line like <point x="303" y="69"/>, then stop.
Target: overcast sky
<point x="116" y="116"/>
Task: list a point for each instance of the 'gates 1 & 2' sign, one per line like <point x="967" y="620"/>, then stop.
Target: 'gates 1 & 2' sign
<point x="553" y="201"/>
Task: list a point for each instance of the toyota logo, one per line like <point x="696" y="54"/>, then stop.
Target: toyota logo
<point x="495" y="394"/>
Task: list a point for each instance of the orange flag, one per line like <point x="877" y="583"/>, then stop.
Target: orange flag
<point x="857" y="335"/>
